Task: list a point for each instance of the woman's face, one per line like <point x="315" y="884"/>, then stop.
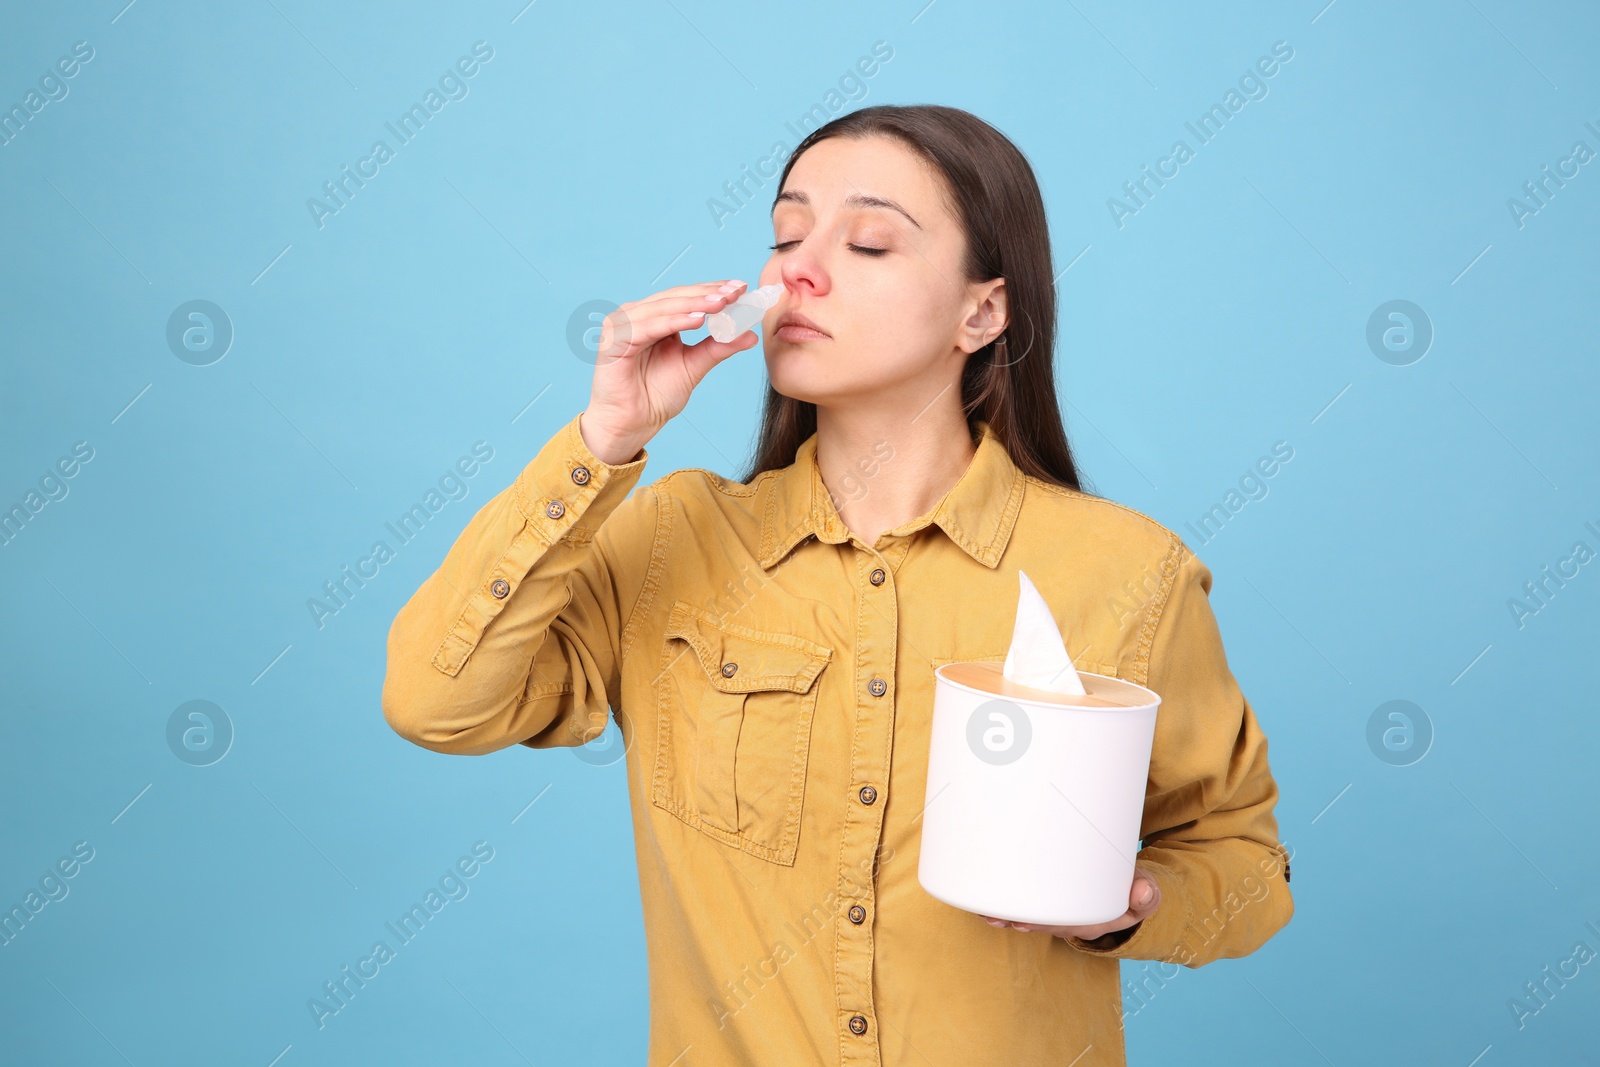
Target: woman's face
<point x="883" y="281"/>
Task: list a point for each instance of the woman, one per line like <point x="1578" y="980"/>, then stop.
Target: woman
<point x="768" y="645"/>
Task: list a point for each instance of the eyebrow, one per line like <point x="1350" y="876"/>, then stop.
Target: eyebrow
<point x="854" y="200"/>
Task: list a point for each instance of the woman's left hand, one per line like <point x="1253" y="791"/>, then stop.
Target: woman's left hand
<point x="1143" y="899"/>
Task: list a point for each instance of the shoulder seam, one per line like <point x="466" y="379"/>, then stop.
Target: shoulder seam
<point x="1063" y="491"/>
<point x="1177" y="553"/>
<point x="1171" y="564"/>
<point x="721" y="484"/>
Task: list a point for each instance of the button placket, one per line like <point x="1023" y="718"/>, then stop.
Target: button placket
<point x="876" y="652"/>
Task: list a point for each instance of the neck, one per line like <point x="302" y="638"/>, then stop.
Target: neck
<point x="885" y="468"/>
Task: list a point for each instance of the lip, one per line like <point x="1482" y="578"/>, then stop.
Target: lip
<point x="793" y="326"/>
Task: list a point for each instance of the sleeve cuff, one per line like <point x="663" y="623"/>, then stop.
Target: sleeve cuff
<point x="555" y="491"/>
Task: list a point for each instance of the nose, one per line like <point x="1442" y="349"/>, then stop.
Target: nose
<point x="802" y="273"/>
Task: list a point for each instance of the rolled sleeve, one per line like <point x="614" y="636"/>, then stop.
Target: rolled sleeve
<point x="1209" y="832"/>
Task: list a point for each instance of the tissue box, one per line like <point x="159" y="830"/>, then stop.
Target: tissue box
<point x="1035" y="799"/>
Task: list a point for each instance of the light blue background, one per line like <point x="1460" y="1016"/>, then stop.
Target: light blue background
<point x="1228" y="314"/>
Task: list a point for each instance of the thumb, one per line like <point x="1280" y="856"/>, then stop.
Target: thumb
<point x="1145" y="891"/>
<point x="700" y="357"/>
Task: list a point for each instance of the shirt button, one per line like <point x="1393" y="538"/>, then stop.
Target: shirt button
<point x="858" y="1024"/>
<point x="580" y="475"/>
<point x="858" y="914"/>
<point x="877" y="576"/>
<point x="877" y="687"/>
<point x="868" y="794"/>
<point x="500" y="588"/>
<point x="555" y="509"/>
<point x="728" y="669"/>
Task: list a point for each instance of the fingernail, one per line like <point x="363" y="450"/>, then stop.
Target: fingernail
<point x="728" y="287"/>
<point x="1144" y="897"/>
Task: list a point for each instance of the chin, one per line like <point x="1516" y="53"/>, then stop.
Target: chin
<point x="823" y="388"/>
<point x="792" y="369"/>
<point x="813" y="373"/>
<point x="820" y="373"/>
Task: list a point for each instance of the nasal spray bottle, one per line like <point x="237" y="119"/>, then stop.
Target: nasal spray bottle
<point x="744" y="313"/>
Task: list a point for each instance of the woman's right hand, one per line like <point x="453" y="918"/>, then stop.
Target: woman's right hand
<point x="644" y="372"/>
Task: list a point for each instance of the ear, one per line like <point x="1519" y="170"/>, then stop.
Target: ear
<point x="989" y="316"/>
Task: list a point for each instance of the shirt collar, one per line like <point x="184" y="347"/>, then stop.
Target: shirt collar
<point x="977" y="513"/>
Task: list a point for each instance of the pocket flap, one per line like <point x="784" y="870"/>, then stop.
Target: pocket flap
<point x="760" y="660"/>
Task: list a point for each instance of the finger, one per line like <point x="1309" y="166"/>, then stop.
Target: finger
<point x="688" y="293"/>
<point x="708" y="352"/>
<point x="692" y="289"/>
<point x="631" y="333"/>
<point x="714" y="300"/>
<point x="647" y="322"/>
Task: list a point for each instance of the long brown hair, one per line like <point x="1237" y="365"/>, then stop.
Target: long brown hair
<point x="1009" y="383"/>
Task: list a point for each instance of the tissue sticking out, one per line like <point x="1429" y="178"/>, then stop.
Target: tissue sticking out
<point x="1038" y="656"/>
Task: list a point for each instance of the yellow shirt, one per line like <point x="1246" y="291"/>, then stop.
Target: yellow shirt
<point x="772" y="677"/>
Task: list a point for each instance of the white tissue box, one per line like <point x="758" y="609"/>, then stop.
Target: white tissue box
<point x="1034" y="806"/>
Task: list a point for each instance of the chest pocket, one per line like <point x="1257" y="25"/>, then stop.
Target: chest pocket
<point x="735" y="707"/>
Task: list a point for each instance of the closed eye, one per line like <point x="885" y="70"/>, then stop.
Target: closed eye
<point x="782" y="246"/>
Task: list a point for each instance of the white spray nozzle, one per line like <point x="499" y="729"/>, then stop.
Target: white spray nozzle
<point x="743" y="313"/>
<point x="1038" y="656"/>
